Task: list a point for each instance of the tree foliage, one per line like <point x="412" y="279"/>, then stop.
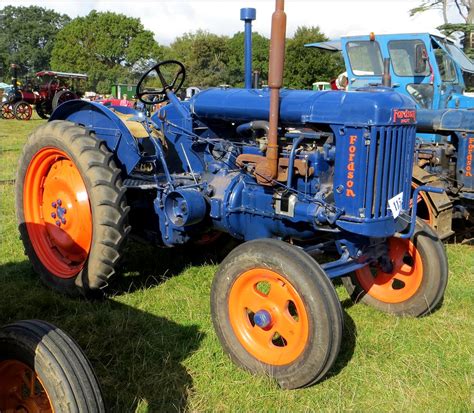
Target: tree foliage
<point x="304" y="66"/>
<point x="260" y="48"/>
<point x="27" y="35"/>
<point x="109" y="47"/>
<point x="204" y="55"/>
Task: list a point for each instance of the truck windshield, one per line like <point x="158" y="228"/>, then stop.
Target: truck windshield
<point x="365" y="58"/>
<point x="403" y="54"/>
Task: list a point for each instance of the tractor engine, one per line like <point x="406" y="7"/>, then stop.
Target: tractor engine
<point x="342" y="157"/>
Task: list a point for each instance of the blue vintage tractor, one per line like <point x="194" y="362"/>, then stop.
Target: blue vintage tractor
<point x="430" y="69"/>
<point x="291" y="174"/>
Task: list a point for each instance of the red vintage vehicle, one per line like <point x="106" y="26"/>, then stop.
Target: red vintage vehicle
<point x="46" y="94"/>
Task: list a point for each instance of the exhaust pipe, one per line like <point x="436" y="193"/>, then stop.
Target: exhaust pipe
<point x="386" y="77"/>
<point x="14" y="69"/>
<point x="269" y="168"/>
<point x="248" y="15"/>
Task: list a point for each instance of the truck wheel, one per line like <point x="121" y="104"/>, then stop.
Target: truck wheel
<point x="22" y="110"/>
<point x="417" y="283"/>
<point x="71" y="208"/>
<point x="43" y="110"/>
<point x="43" y="370"/>
<point x="275" y="312"/>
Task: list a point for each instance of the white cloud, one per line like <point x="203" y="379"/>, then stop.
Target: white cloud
<point x="171" y="18"/>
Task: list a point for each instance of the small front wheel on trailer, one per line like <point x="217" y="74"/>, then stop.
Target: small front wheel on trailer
<point x="276" y="312"/>
<point x="71" y="208"/>
<point x="416" y="283"/>
<point x="43" y="370"/>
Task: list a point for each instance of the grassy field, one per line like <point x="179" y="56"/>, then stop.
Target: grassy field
<point x="154" y="349"/>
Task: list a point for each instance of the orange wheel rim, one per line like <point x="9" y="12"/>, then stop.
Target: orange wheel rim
<point x="268" y="316"/>
<point x="21" y="390"/>
<point x="403" y="282"/>
<point x="57" y="212"/>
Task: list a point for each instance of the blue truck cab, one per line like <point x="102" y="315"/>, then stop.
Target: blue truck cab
<point x="428" y="68"/>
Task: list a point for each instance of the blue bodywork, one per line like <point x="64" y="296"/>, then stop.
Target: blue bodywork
<point x="437" y="87"/>
<point x="343" y="155"/>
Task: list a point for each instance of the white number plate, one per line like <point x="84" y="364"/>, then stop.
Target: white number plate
<point x="395" y="204"/>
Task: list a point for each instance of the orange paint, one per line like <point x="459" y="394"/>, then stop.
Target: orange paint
<point x="403" y="282"/>
<point x="63" y="249"/>
<point x="282" y="302"/>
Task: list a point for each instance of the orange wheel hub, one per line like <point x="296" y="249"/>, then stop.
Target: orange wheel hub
<point x="21" y="389"/>
<point x="57" y="212"/>
<point x="268" y="316"/>
<point x="404" y="280"/>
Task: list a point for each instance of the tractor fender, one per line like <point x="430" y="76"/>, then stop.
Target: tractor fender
<point x="439" y="205"/>
<point x="106" y="125"/>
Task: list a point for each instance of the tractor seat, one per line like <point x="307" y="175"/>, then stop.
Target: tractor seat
<point x="137" y="130"/>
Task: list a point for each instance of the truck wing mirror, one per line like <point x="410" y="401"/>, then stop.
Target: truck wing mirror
<point x="421" y="58"/>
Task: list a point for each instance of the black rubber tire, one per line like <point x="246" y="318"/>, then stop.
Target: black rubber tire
<point x="108" y="205"/>
<point x="435" y="278"/>
<point x="61" y="97"/>
<point x="59" y="362"/>
<point x="319" y="297"/>
<point x="16" y="107"/>
<point x="42" y="110"/>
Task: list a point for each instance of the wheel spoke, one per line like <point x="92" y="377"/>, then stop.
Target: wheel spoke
<point x="279" y="295"/>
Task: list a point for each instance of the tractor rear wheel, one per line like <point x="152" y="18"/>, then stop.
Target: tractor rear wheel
<point x="43" y="110"/>
<point x="62" y="96"/>
<point x="43" y="370"/>
<point x="276" y="312"/>
<point x="7" y="111"/>
<point x="416" y="284"/>
<point x="71" y="208"/>
<point x="22" y="110"/>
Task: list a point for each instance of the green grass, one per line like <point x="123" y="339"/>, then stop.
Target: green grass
<point x="154" y="349"/>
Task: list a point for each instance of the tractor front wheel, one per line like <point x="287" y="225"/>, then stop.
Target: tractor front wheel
<point x="276" y="312"/>
<point x="71" y="208"/>
<point x="22" y="110"/>
<point x="416" y="283"/>
<point x="43" y="370"/>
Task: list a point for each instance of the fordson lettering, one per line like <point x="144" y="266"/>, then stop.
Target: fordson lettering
<point x="470" y="151"/>
<point x="351" y="166"/>
<point x="404" y="116"/>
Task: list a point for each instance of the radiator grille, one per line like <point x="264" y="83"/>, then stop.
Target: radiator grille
<point x="389" y="168"/>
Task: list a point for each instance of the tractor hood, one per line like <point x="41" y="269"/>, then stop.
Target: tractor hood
<point x="370" y="106"/>
<point x="461" y="101"/>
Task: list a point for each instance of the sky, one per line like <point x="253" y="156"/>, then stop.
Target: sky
<point x="171" y="18"/>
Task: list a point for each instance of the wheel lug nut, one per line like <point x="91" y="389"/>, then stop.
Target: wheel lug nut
<point x="58" y="223"/>
<point x="63" y="220"/>
<point x="59" y="202"/>
<point x="53" y="215"/>
<point x="54" y="205"/>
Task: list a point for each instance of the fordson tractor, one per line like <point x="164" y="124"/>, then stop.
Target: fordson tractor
<point x="292" y="174"/>
<point x="49" y="91"/>
<point x="43" y="370"/>
<point x="429" y="69"/>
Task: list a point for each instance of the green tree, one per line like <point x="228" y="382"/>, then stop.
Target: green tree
<point x="260" y="48"/>
<point x="205" y="57"/>
<point x="304" y="66"/>
<point x="109" y="47"/>
<point x="465" y="13"/>
<point x="26" y="37"/>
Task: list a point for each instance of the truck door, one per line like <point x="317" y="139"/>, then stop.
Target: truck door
<point x="412" y="72"/>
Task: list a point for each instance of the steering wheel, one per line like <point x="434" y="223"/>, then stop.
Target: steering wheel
<point x="151" y="95"/>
